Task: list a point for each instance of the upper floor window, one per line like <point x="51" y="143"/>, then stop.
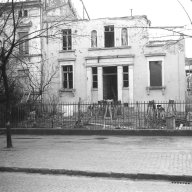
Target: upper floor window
<point x="23" y="13"/>
<point x="94" y="38"/>
<point x="109" y="36"/>
<point x="23" y="43"/>
<point x="23" y="72"/>
<point x="124" y="37"/>
<point x="67" y="45"/>
<point x="155" y="70"/>
<point x="125" y="76"/>
<point x="94" y="77"/>
<point x="68" y="77"/>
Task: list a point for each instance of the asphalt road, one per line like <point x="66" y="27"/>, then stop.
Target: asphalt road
<point x="19" y="182"/>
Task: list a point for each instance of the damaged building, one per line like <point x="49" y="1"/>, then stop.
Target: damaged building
<point x="107" y="58"/>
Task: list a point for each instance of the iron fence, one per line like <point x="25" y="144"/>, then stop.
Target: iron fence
<point x="101" y="115"/>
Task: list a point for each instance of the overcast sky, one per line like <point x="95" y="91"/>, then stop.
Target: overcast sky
<point x="160" y="13"/>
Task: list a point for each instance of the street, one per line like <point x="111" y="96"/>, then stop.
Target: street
<point x="117" y="154"/>
<point x="18" y="182"/>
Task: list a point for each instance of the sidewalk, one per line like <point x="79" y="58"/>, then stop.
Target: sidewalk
<point x="139" y="157"/>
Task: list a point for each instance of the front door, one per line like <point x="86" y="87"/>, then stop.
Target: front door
<point x="110" y="83"/>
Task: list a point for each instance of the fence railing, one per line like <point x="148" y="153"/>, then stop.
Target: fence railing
<point x="101" y="115"/>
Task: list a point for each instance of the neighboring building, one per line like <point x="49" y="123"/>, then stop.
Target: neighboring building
<point x="113" y="58"/>
<point x="29" y="17"/>
<point x="27" y="56"/>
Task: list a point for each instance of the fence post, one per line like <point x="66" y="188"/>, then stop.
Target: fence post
<point x="78" y="122"/>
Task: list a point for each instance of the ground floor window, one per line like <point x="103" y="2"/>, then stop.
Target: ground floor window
<point x="155" y="69"/>
<point x="68" y="77"/>
<point x="125" y="76"/>
<point x="94" y="77"/>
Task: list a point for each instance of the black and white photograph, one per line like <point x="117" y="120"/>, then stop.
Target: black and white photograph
<point x="95" y="96"/>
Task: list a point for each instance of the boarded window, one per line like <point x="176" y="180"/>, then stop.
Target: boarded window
<point x="95" y="78"/>
<point x="124" y="37"/>
<point x="125" y="76"/>
<point x="68" y="77"/>
<point x="94" y="38"/>
<point x="109" y="36"/>
<point x="67" y="39"/>
<point x="23" y="43"/>
<point x="155" y="68"/>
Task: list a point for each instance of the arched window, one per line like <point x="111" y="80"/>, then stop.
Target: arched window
<point x="124" y="37"/>
<point x="94" y="38"/>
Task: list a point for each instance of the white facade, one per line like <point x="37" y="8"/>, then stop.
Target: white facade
<point x="99" y="70"/>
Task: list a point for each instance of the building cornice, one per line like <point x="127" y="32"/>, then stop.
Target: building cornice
<point x="155" y="54"/>
<point x="110" y="57"/>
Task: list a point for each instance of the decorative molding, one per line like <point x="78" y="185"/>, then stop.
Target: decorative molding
<point x="109" y="48"/>
<point x="67" y="91"/>
<point x="153" y="88"/>
<point x="67" y="51"/>
<point x="111" y="64"/>
<point x="155" y="54"/>
<point x="66" y="59"/>
<point x="110" y="57"/>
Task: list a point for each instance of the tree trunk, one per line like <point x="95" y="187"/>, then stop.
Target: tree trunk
<point x="8" y="108"/>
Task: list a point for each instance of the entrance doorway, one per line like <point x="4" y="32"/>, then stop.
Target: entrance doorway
<point x="110" y="83"/>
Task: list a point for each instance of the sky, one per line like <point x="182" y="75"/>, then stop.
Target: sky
<point x="160" y="13"/>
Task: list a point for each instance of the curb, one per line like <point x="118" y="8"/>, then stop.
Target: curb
<point x="112" y="175"/>
<point x="118" y="132"/>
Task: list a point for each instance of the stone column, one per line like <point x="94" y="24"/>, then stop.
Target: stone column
<point x="100" y="83"/>
<point x="89" y="84"/>
<point x="120" y="82"/>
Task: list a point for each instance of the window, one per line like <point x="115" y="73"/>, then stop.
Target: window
<point x="124" y="37"/>
<point x="23" y="43"/>
<point x="125" y="76"/>
<point x="94" y="38"/>
<point x="109" y="36"/>
<point x="23" y="13"/>
<point x="20" y="13"/>
<point x="67" y="39"/>
<point x="94" y="76"/>
<point x="155" y="68"/>
<point x="23" y="72"/>
<point x="68" y="77"/>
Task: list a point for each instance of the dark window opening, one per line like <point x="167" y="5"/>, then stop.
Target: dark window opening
<point x="155" y="68"/>
<point x="125" y="76"/>
<point x="95" y="78"/>
<point x="67" y="39"/>
<point x="23" y="43"/>
<point x="109" y="36"/>
<point x="20" y="13"/>
<point x="25" y="13"/>
<point x="68" y="77"/>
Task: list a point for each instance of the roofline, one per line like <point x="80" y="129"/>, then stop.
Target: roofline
<point x="35" y="3"/>
<point x="125" y="17"/>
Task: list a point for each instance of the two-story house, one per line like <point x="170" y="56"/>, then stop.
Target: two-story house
<point x="113" y="58"/>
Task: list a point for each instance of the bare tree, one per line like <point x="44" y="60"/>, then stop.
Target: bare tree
<point x="14" y="50"/>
